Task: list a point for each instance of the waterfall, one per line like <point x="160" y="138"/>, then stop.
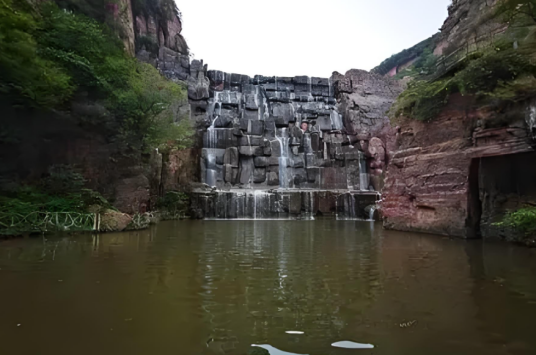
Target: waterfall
<point x="364" y="177"/>
<point x="371" y="213"/>
<point x="212" y="173"/>
<point x="212" y="136"/>
<point x="336" y="121"/>
<point x="307" y="143"/>
<point x="531" y="118"/>
<point x="261" y="205"/>
<point x="347" y="209"/>
<point x="350" y="141"/>
<point x="351" y="200"/>
<point x="283" y="160"/>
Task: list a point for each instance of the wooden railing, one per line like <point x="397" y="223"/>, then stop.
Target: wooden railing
<point x="50" y="221"/>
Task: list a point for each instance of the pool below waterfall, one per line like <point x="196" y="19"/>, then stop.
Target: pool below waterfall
<point x="217" y="287"/>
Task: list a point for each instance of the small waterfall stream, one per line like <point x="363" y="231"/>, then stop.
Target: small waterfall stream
<point x="531" y="118"/>
<point x="364" y="177"/>
<point x="371" y="213"/>
<point x="212" y="172"/>
<point x="283" y="160"/>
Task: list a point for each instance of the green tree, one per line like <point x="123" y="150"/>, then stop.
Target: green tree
<point x="517" y="10"/>
<point x="23" y="73"/>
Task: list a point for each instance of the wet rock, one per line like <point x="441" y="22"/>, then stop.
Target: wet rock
<point x="272" y="161"/>
<point x="229" y="174"/>
<point x="251" y="141"/>
<point x="298" y="161"/>
<point x="311" y="160"/>
<point x="283" y="114"/>
<point x="255" y="128"/>
<point x="231" y="157"/>
<point x="313" y="175"/>
<point x="261" y="162"/>
<point x="276" y="148"/>
<point x="246" y="170"/>
<point x="273" y="178"/>
<point x="251" y="151"/>
<point x="259" y="175"/>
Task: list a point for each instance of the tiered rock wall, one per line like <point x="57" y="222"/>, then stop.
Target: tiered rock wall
<point x="458" y="174"/>
<point x="253" y="136"/>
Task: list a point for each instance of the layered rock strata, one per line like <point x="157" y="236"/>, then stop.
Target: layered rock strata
<point x="441" y="178"/>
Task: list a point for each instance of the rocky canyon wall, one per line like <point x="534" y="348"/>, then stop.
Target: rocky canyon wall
<point x="428" y="186"/>
<point x="459" y="173"/>
<point x="252" y="134"/>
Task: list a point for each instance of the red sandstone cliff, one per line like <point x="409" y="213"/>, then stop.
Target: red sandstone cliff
<point x="428" y="186"/>
<point x="459" y="173"/>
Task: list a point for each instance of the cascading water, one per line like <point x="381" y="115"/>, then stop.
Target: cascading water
<point x="531" y="118"/>
<point x="212" y="136"/>
<point x="336" y="121"/>
<point x="364" y="177"/>
<point x="307" y="143"/>
<point x="371" y="213"/>
<point x="283" y="160"/>
<point x="212" y="173"/>
<point x="346" y="206"/>
<point x="211" y="140"/>
<point x="260" y="204"/>
<point x="260" y="180"/>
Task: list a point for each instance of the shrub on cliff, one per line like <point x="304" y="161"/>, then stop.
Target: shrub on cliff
<point x="421" y="50"/>
<point x="173" y="205"/>
<point x="522" y="220"/>
<point x="500" y="74"/>
<point x="47" y="54"/>
<point x="24" y="74"/>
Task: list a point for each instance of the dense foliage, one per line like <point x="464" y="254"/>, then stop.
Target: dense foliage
<point x="502" y="73"/>
<point x="62" y="190"/>
<point x="516" y="10"/>
<point x="24" y="73"/>
<point x="47" y="54"/>
<point x="173" y="205"/>
<point x="60" y="56"/>
<point x="421" y="50"/>
<point x="522" y="220"/>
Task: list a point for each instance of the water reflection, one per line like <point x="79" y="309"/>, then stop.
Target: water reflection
<point x="215" y="287"/>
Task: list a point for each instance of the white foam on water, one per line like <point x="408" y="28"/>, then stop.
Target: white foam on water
<point x="297" y="332"/>
<point x="273" y="351"/>
<point x="352" y="345"/>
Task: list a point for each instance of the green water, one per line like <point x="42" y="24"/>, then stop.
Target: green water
<point x="216" y="287"/>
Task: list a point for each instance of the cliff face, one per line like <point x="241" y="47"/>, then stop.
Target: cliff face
<point x="467" y="22"/>
<point x="458" y="174"/>
<point x="78" y="136"/>
<point x="433" y="178"/>
<point x="250" y="128"/>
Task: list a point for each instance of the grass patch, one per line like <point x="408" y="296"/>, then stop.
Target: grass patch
<point x="522" y="220"/>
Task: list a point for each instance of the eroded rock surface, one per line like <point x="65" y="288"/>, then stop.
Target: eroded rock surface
<point x="436" y="182"/>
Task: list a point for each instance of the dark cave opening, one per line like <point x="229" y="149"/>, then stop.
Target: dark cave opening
<point x="498" y="185"/>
